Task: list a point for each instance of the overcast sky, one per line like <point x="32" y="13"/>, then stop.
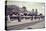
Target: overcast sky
<point x="29" y="5"/>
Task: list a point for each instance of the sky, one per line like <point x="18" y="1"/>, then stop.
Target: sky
<point x="29" y="5"/>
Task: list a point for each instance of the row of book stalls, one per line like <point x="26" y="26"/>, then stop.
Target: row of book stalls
<point x="21" y="16"/>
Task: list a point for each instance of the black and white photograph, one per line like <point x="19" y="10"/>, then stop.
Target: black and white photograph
<point x="22" y="15"/>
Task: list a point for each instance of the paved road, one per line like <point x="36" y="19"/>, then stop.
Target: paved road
<point x="20" y="26"/>
<point x="39" y="25"/>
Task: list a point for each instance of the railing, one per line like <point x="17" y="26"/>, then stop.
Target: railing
<point x="19" y="17"/>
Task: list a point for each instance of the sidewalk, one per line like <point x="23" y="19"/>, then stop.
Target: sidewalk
<point x="23" y="21"/>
